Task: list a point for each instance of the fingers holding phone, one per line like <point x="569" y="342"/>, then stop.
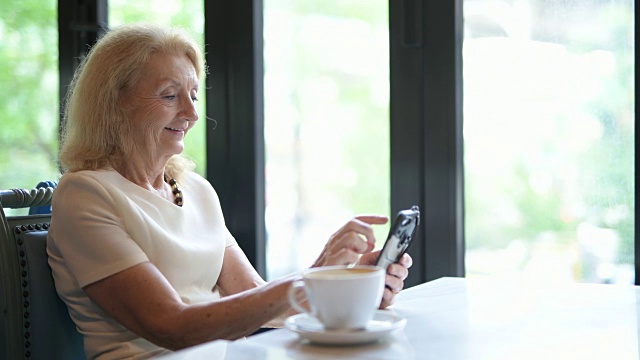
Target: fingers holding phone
<point x="394" y="281"/>
<point x="400" y="236"/>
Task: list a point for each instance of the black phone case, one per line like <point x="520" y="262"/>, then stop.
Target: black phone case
<point x="400" y="236"/>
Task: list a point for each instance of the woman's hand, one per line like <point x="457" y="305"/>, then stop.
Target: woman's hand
<point x="350" y="241"/>
<point x="396" y="273"/>
<point x="353" y="243"/>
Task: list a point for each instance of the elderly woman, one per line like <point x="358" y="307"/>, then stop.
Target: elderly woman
<point x="126" y="245"/>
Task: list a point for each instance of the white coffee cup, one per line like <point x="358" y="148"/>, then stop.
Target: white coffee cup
<point x="340" y="297"/>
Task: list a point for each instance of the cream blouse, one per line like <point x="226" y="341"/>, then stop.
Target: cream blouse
<point x="102" y="224"/>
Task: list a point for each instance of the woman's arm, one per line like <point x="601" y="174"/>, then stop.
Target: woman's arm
<point x="141" y="299"/>
<point x="238" y="275"/>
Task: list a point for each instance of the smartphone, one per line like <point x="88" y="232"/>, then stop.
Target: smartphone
<point x="400" y="236"/>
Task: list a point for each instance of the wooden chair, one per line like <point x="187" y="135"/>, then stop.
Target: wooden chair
<point x="35" y="322"/>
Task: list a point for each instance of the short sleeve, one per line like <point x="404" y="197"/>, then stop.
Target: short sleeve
<point x="230" y="239"/>
<point x="87" y="230"/>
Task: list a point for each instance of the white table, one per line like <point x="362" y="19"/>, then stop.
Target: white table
<point x="456" y="318"/>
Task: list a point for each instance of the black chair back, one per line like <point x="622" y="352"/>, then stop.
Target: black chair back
<point x="35" y="323"/>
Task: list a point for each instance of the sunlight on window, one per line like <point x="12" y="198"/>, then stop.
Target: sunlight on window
<point x="326" y="123"/>
<point x="549" y="147"/>
<point x="29" y="88"/>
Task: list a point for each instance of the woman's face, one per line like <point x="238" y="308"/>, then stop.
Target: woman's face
<point x="161" y="105"/>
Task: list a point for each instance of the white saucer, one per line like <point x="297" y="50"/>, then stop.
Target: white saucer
<point x="384" y="323"/>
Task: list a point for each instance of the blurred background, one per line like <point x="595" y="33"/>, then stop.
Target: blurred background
<point x="548" y="125"/>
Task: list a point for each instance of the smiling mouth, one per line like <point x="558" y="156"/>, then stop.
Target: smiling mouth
<point x="172" y="129"/>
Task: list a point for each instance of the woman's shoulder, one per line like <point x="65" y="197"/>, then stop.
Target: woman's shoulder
<point x="102" y="178"/>
<point x="99" y="175"/>
<point x="81" y="190"/>
<point x="101" y="183"/>
<point x="194" y="180"/>
<point x="193" y="184"/>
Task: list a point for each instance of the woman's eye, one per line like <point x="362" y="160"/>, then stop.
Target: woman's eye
<point x="169" y="97"/>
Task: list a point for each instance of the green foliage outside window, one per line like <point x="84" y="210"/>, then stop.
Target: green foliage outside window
<point x="29" y="111"/>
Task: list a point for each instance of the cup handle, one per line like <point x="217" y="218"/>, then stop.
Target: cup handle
<point x="293" y="299"/>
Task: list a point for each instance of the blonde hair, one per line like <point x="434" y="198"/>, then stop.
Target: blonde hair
<point x="97" y="131"/>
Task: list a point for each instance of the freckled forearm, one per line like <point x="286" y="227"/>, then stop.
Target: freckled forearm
<point x="230" y="318"/>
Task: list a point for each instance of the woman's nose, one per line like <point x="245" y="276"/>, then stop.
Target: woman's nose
<point x="189" y="111"/>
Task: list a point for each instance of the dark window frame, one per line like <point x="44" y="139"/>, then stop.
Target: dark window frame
<point x="235" y="139"/>
<point x="426" y="130"/>
<point x="80" y="24"/>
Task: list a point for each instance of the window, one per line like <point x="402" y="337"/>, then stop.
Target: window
<point x="559" y="199"/>
<point x="548" y="137"/>
<point x="29" y="90"/>
<point x="326" y="123"/>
